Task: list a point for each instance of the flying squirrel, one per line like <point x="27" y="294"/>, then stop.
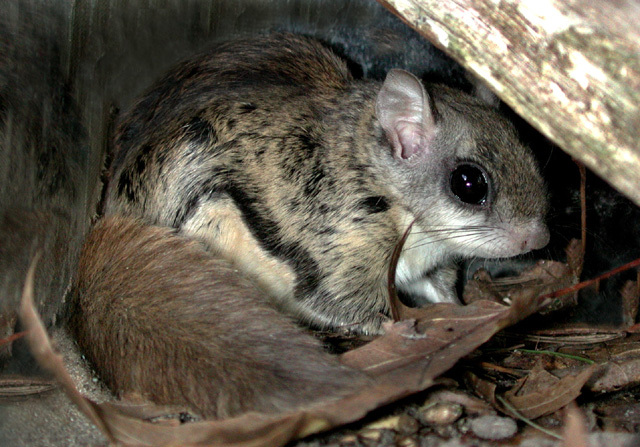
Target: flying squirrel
<point x="260" y="186"/>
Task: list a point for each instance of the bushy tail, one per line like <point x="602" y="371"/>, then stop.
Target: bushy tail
<point x="158" y="315"/>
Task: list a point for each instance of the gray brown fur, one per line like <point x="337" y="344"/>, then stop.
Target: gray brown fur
<point x="272" y="154"/>
<point x="162" y="318"/>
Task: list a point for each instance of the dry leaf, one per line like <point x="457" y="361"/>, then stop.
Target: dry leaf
<point x="541" y="402"/>
<point x="614" y="376"/>
<point x="618" y="363"/>
<point x="542" y="278"/>
<point x="635" y="329"/>
<point x="538" y="380"/>
<point x="43" y="352"/>
<point x="417" y="352"/>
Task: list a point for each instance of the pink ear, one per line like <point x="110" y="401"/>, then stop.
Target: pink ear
<point x="403" y="110"/>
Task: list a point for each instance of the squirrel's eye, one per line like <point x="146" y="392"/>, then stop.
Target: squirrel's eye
<point x="469" y="184"/>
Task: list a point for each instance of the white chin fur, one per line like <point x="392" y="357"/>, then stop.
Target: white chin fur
<point x="424" y="251"/>
<point x="429" y="290"/>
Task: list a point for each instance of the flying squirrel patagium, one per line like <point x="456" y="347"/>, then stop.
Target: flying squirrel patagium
<point x="277" y="159"/>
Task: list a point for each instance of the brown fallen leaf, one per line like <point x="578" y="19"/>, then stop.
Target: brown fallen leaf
<point x="594" y="281"/>
<point x="139" y="408"/>
<point x="417" y="352"/>
<point x="541" y="398"/>
<point x="544" y="277"/>
<point x="443" y="327"/>
<point x="538" y="380"/>
<point x="614" y="376"/>
<point x="250" y="429"/>
<point x="575" y="252"/>
<point x="617" y="361"/>
<point x="43" y="352"/>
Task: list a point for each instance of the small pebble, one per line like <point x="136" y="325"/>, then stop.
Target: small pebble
<point x="407" y="425"/>
<point x="494" y="428"/>
<point x="442" y="413"/>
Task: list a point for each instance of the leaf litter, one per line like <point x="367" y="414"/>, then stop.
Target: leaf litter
<point x="403" y="362"/>
<point x="419" y="346"/>
<point x="406" y="360"/>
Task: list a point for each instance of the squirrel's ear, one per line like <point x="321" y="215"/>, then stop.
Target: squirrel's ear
<point x="404" y="112"/>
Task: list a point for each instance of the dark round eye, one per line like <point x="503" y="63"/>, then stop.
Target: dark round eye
<point x="469" y="184"/>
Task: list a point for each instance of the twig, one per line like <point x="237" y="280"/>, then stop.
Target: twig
<point x="589" y="282"/>
<point x="12" y="338"/>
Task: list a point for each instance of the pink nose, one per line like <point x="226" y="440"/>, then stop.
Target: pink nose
<point x="538" y="237"/>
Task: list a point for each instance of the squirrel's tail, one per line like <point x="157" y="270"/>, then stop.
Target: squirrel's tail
<point x="159" y="316"/>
